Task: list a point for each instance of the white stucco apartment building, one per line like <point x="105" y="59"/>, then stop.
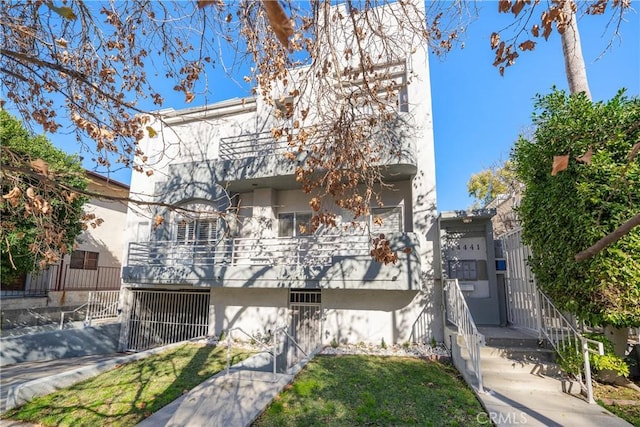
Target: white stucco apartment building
<point x="254" y="268"/>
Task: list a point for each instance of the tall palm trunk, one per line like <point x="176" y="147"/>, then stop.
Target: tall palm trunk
<point x="571" y="48"/>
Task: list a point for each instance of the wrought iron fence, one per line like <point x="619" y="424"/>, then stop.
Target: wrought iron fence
<point x="67" y="279"/>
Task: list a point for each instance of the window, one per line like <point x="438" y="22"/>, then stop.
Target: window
<point x="84" y="260"/>
<point x="201" y="230"/>
<point x="305" y="296"/>
<point x="463" y="270"/>
<point x="388" y="81"/>
<point x="294" y="224"/>
<point x="386" y="220"/>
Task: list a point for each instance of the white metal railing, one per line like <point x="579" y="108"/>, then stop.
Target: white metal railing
<point x="303" y="250"/>
<point x="272" y="349"/>
<point x="559" y="331"/>
<point x="458" y="314"/>
<point x="396" y="136"/>
<point x="102" y="305"/>
<point x="531" y="309"/>
<point x="252" y="145"/>
<point x="64" y="313"/>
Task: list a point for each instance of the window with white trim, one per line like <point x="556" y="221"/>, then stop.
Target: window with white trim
<point x="201" y="230"/>
<point x="84" y="260"/>
<point x="294" y="224"/>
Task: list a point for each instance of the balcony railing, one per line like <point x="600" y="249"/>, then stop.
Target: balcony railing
<point x="69" y="279"/>
<point x="401" y="144"/>
<point x="251" y="145"/>
<point x="299" y="251"/>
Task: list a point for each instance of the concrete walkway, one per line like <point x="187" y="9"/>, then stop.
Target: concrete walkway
<point x="230" y="400"/>
<point x="521" y="389"/>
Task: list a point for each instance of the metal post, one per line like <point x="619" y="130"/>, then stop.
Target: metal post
<point x="478" y="343"/>
<point x="87" y="319"/>
<point x="587" y="371"/>
<point x="228" y="350"/>
<point x="61" y="319"/>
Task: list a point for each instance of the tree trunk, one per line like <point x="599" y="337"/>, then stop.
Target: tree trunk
<point x="618" y="336"/>
<point x="571" y="48"/>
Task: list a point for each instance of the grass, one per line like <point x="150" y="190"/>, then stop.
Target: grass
<point x="129" y="393"/>
<point x="626" y="402"/>
<point x="370" y="390"/>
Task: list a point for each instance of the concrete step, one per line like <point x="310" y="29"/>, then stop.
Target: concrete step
<point x="492" y="361"/>
<point x="523" y="354"/>
<point x="500" y="365"/>
<point x="525" y="342"/>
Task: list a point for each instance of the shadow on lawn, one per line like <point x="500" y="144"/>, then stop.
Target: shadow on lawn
<point x="134" y="393"/>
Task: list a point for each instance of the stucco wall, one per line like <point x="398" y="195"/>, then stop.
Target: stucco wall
<point x="253" y="310"/>
<point x="352" y="316"/>
<point x="348" y="316"/>
<point x="109" y="238"/>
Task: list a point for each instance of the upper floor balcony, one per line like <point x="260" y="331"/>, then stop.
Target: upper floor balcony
<point x="338" y="261"/>
<point x="250" y="158"/>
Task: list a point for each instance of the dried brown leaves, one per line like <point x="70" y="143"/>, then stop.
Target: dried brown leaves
<point x="555" y="15"/>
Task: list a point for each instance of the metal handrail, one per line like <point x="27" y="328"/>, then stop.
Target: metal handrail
<point x="108" y="309"/>
<point x="108" y="300"/>
<point x="559" y="331"/>
<point x="62" y="313"/>
<point x="458" y="313"/>
<point x="273" y="350"/>
<point x="283" y="330"/>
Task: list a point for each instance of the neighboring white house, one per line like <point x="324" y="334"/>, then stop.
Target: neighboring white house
<point x="94" y="265"/>
<point x="255" y="268"/>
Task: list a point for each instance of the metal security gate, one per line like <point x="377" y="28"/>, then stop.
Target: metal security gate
<point x="158" y="318"/>
<point x="305" y="327"/>
<point x="522" y="297"/>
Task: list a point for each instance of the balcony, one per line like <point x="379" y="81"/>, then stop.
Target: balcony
<point x="258" y="158"/>
<point x="338" y="261"/>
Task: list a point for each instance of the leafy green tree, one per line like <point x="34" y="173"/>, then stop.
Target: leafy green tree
<point x="564" y="210"/>
<point x="488" y="184"/>
<point x="41" y="214"/>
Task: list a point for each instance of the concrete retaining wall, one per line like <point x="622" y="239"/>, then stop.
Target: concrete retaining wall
<point x="14" y="315"/>
<point x="60" y="344"/>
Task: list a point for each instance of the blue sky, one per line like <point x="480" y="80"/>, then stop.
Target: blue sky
<point x="477" y="113"/>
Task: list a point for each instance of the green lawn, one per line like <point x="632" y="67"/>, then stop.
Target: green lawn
<point x="129" y="393"/>
<point x="371" y="390"/>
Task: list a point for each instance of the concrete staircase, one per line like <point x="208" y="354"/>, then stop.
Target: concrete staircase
<point x="524" y="386"/>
